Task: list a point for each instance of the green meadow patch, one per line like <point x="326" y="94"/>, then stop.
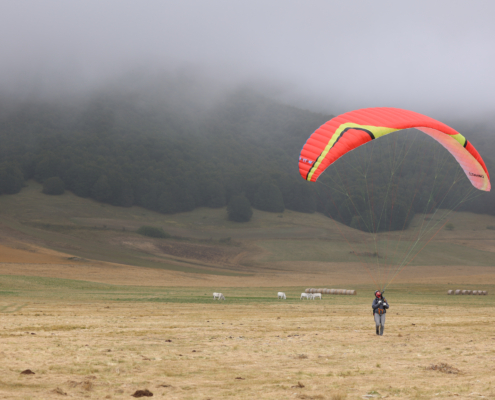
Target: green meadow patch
<point x="36" y="288"/>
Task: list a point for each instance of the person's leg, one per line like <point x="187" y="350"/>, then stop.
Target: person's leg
<point x="377" y="323"/>
<point x="382" y="323"/>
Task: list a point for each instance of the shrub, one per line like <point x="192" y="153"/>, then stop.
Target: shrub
<point x="152" y="231"/>
<point x="54" y="186"/>
<point x="492" y="227"/>
<point x="449" y="226"/>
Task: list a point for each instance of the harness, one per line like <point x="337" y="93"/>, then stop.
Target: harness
<point x="380" y="310"/>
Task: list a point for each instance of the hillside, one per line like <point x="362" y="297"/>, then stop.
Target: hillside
<point x="68" y="236"/>
<point x="169" y="150"/>
<point x="172" y="153"/>
<point x="179" y="143"/>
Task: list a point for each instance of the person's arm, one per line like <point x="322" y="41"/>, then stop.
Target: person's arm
<point x="375" y="304"/>
<point x="385" y="303"/>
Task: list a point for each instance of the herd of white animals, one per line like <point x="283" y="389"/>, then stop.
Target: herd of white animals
<point x="310" y="296"/>
<point x="281" y="295"/>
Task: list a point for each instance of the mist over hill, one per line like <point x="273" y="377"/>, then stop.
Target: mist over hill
<point x="173" y="143"/>
<point x="169" y="146"/>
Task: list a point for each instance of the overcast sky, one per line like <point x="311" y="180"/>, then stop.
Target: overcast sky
<point x="435" y="56"/>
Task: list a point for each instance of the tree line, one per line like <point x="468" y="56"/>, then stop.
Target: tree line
<point x="167" y="165"/>
<point x="243" y="150"/>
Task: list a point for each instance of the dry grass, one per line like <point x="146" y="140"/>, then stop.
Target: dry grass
<point x="279" y="350"/>
<point x="83" y="336"/>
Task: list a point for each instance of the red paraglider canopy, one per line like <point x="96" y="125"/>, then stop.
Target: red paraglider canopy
<point x="344" y="133"/>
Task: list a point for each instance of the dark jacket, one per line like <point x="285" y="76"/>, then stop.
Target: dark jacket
<point x="379" y="306"/>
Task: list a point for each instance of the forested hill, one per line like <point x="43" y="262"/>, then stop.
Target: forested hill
<point x="169" y="148"/>
<point x="170" y="152"/>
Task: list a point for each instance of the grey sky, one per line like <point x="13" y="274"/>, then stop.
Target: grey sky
<point x="435" y="56"/>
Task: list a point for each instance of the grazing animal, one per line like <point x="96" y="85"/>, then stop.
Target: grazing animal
<point x="281" y="295"/>
<point x="308" y="296"/>
<point x="317" y="296"/>
<point x="218" y="296"/>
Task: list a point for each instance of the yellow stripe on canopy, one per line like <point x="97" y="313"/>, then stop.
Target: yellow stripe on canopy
<point x="377" y="131"/>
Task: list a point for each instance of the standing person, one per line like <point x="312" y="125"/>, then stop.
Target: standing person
<point x="380" y="307"/>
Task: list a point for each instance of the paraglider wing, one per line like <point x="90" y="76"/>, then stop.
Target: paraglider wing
<point x="344" y="133"/>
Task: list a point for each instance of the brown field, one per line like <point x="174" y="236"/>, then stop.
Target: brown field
<point x="97" y="311"/>
<point x="247" y="349"/>
<point x="29" y="260"/>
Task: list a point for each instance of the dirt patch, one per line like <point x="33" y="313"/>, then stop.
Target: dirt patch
<point x="142" y="393"/>
<point x="443" y="367"/>
<point x="59" y="391"/>
<point x="210" y="254"/>
<point x="27" y="372"/>
<point x="85" y="385"/>
<point x="30" y="255"/>
<point x="140" y="244"/>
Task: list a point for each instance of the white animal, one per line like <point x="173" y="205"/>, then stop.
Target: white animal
<point x="317" y="296"/>
<point x="308" y="296"/>
<point x="218" y="296"/>
<point x="281" y="295"/>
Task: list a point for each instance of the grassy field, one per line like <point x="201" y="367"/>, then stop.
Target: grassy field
<point x="104" y="341"/>
<point x="206" y="242"/>
<point x="437" y="253"/>
<point x="97" y="311"/>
